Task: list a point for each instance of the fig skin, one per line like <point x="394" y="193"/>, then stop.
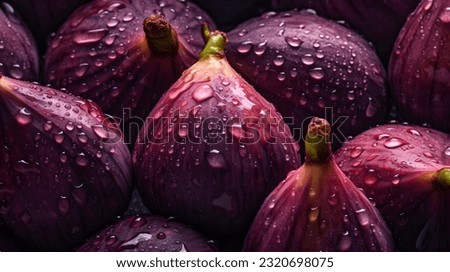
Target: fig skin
<point x="66" y="171"/>
<point x="402" y="169"/>
<point x="378" y="21"/>
<point x="18" y="53"/>
<point x="45" y="16"/>
<point x="419" y="70"/>
<point x="317" y="208"/>
<point x="306" y="70"/>
<point x="212" y="148"/>
<point x="147" y="233"/>
<point x="119" y="64"/>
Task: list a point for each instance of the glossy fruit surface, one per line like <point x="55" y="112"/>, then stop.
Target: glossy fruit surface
<point x="65" y="170"/>
<point x="404" y="170"/>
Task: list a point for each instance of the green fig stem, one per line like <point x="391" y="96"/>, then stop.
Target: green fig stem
<point x="317" y="142"/>
<point x="441" y="181"/>
<point x="215" y="43"/>
<point x="161" y="37"/>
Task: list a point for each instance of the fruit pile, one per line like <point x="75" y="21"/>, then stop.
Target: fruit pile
<point x="194" y="125"/>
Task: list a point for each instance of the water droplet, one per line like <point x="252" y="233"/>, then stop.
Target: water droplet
<point x="216" y="160"/>
<point x="63" y="205"/>
<point x="308" y="59"/>
<point x="112" y="239"/>
<point x="260" y="48"/>
<point x="100" y="131"/>
<point x="63" y="157"/>
<point x="447" y="151"/>
<point x="128" y="17"/>
<point x="70" y="126"/>
<point x="138" y="222"/>
<point x="382" y="136"/>
<point x="371" y="109"/>
<point x="161" y="235"/>
<point x="90" y="36"/>
<point x="332" y="200"/>
<point x="415" y="132"/>
<point x="317" y="73"/>
<point x="16" y="71"/>
<point x="370" y="178"/>
<point x="48" y="126"/>
<point x="428" y="155"/>
<point x="81" y="69"/>
<point x="242" y="33"/>
<point x="24" y="117"/>
<point x="313" y="214"/>
<point x="395" y="143"/>
<point x="345" y="242"/>
<point x="402" y="219"/>
<point x="293" y="42"/>
<point x="202" y="93"/>
<point x="81" y="160"/>
<point x="82" y="137"/>
<point x="356" y="152"/>
<point x="428" y="5"/>
<point x="279" y="60"/>
<point x="281" y="76"/>
<point x="444" y="16"/>
<point x="363" y="217"/>
<point x="294" y="72"/>
<point x="26" y="218"/>
<point x="112" y="22"/>
<point x="245" y="47"/>
<point x="59" y="137"/>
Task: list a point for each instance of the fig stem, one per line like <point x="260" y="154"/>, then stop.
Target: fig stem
<point x="317" y="142"/>
<point x="161" y="37"/>
<point x="215" y="43"/>
<point x="441" y="179"/>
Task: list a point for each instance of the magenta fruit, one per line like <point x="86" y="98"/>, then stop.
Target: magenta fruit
<point x="317" y="208"/>
<point x="18" y="54"/>
<point x="148" y="233"/>
<point x="405" y="171"/>
<point x="419" y="70"/>
<point x="65" y="170"/>
<point x="309" y="66"/>
<point x="212" y="148"/>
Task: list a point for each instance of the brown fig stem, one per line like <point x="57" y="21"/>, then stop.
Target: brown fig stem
<point x="441" y="179"/>
<point x="215" y="43"/>
<point x="317" y="142"/>
<point x="161" y="37"/>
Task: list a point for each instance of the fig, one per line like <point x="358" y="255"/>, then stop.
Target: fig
<point x="405" y="171"/>
<point x="124" y="55"/>
<point x="378" y="21"/>
<point x="212" y="148"/>
<point x="45" y="16"/>
<point x="317" y="208"/>
<point x="419" y="70"/>
<point x="148" y="233"/>
<point x="18" y="53"/>
<point x="305" y="65"/>
<point x="65" y="171"/>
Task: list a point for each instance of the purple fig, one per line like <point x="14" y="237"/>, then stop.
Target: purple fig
<point x="18" y="53"/>
<point x="419" y="70"/>
<point x="45" y="16"/>
<point x="405" y="171"/>
<point x="212" y="148"/>
<point x="148" y="233"/>
<point x="124" y="55"/>
<point x="309" y="66"/>
<point x="378" y="21"/>
<point x="65" y="171"/>
<point x="317" y="208"/>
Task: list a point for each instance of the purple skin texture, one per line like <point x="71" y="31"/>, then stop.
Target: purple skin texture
<point x="148" y="233"/>
<point x="305" y="65"/>
<point x="65" y="171"/>
<point x="419" y="71"/>
<point x="212" y="149"/>
<point x="18" y="53"/>
<point x="404" y="170"/>
<point x="317" y="208"/>
<point x="378" y="21"/>
<point x="115" y="55"/>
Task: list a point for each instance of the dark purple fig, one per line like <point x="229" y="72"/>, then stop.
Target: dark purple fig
<point x="317" y="208"/>
<point x="419" y="70"/>
<point x="212" y="148"/>
<point x="309" y="66"/>
<point x="18" y="53"/>
<point x="405" y="171"/>
<point x="378" y="21"/>
<point x="148" y="233"/>
<point x="124" y="55"/>
<point x="229" y="13"/>
<point x="45" y="16"/>
<point x="65" y="170"/>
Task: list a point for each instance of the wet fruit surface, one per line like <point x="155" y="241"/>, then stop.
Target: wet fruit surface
<point x="308" y="66"/>
<point x="65" y="170"/>
<point x="401" y="168"/>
